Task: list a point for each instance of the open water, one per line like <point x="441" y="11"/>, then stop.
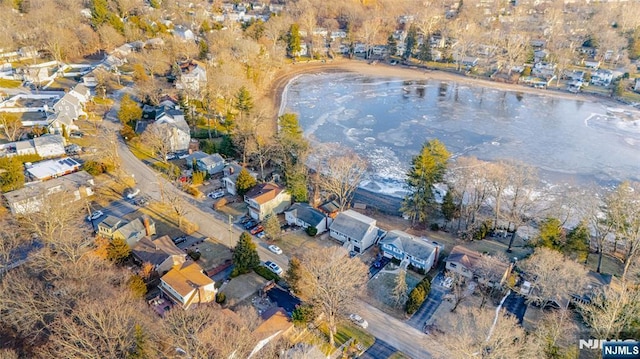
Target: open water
<point x="387" y="120"/>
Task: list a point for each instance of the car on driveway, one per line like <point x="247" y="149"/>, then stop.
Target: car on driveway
<point x="273" y="267"/>
<point x="358" y="320"/>
<point x="130" y="193"/>
<point x="275" y="249"/>
<point x="250" y="224"/>
<point x="257" y="229"/>
<point x="216" y="194"/>
<point x="261" y="235"/>
<point x="95" y="215"/>
<point x="180" y="239"/>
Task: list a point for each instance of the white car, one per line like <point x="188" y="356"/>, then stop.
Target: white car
<point x="358" y="320"/>
<point x="275" y="249"/>
<point x="273" y="267"/>
<point x="95" y="215"/>
<point x="133" y="192"/>
<point x="216" y="194"/>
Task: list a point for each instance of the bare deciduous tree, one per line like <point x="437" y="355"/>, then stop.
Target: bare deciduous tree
<point x="158" y="138"/>
<point x="11" y="125"/>
<point x="340" y="172"/>
<point x="613" y="310"/>
<point x="485" y="334"/>
<point x="554" y="277"/>
<point x="330" y="280"/>
<point x="623" y="211"/>
<point x="401" y="289"/>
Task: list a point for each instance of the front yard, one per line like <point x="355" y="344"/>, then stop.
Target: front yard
<point x="379" y="290"/>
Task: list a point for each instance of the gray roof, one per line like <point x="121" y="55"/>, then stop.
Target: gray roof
<point x="24" y="145"/>
<point x="408" y="244"/>
<point x="82" y="90"/>
<point x="155" y="251"/>
<point x="131" y="228"/>
<point x="70" y="183"/>
<point x="71" y="99"/>
<point x="48" y="140"/>
<point x="352" y="224"/>
<point x="110" y="222"/>
<point x="307" y="214"/>
<point x="214" y="163"/>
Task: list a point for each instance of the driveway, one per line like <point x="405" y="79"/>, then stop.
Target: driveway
<point x="430" y="305"/>
<point x="379" y="350"/>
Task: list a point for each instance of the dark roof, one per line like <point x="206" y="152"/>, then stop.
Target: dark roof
<point x="330" y="207"/>
<point x="307" y="214"/>
<point x="155" y="251"/>
<point x="111" y="222"/>
<point x="416" y="247"/>
<point x="353" y="224"/>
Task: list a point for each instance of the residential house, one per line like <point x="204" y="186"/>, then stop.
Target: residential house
<point x="592" y="64"/>
<point x="195" y="157"/>
<point x="133" y="231"/>
<point x="467" y="263"/>
<point x="230" y="176"/>
<point x="25" y="148"/>
<point x="303" y="215"/>
<point x="170" y="118"/>
<point x="183" y="33"/>
<point x="49" y="145"/>
<point x="161" y="252"/>
<point x="70" y="106"/>
<point x="212" y="164"/>
<point x="601" y="77"/>
<point x="419" y="252"/>
<point x="276" y="323"/>
<point x="31" y="198"/>
<point x="354" y="230"/>
<point x="193" y="76"/>
<point x="266" y="198"/>
<point x="59" y="122"/>
<point x="331" y="209"/>
<point x="45" y="170"/>
<point x="81" y="92"/>
<point x="186" y="285"/>
<point x="108" y="226"/>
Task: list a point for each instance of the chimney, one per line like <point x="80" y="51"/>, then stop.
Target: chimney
<point x="147" y="226"/>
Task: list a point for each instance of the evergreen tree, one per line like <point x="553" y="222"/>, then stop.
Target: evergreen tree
<point x="577" y="244"/>
<point x="292" y="276"/>
<point x="244" y="182"/>
<point x="118" y="250"/>
<point x="129" y="111"/>
<point x="140" y="350"/>
<point x="244" y="102"/>
<point x="392" y="45"/>
<point x="245" y="255"/>
<point x="449" y="207"/>
<point x="99" y="12"/>
<point x="410" y="42"/>
<point x="293" y="40"/>
<point x="11" y="174"/>
<point x="551" y="234"/>
<point x="226" y="147"/>
<point x="137" y="286"/>
<point x="294" y="149"/>
<point x="424" y="53"/>
<point x="427" y="169"/>
<point x="203" y="49"/>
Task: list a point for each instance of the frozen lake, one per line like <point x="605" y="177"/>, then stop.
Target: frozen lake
<point x="387" y="120"/>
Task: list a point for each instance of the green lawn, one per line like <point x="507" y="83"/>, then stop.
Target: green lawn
<point x="346" y="331"/>
<point x="10" y="83"/>
<point x="398" y="355"/>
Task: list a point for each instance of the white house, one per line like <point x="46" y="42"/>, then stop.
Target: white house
<point x="230" y="177"/>
<point x="25" y="147"/>
<point x="31" y="198"/>
<point x="187" y="285"/>
<point x="45" y="170"/>
<point x="81" y="92"/>
<point x="354" y="230"/>
<point x="303" y="215"/>
<point x="49" y="145"/>
<point x="266" y="198"/>
<point x="193" y="76"/>
<point x="602" y="77"/>
<point x="420" y="252"/>
<point x="183" y="33"/>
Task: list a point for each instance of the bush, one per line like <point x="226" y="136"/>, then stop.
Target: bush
<point x="137" y="286"/>
<point x="435" y="227"/>
<point x="312" y="231"/>
<point x="418" y="295"/>
<point x="193" y="191"/>
<point x="220" y="203"/>
<point x="221" y="298"/>
<point x="195" y="255"/>
<point x="265" y="273"/>
<point x="303" y="314"/>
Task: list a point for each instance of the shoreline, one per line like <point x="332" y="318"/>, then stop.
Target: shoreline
<point x="288" y="74"/>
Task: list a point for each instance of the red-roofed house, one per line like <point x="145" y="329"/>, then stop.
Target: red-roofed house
<point x="267" y="198"/>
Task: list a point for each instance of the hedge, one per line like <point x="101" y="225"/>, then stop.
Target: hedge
<point x="418" y="295"/>
<point x="266" y="273"/>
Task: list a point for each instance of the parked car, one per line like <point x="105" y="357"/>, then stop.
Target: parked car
<point x="170" y="156"/>
<point x="216" y="194"/>
<point x="141" y="202"/>
<point x="275" y="249"/>
<point x="246" y="219"/>
<point x="252" y="223"/>
<point x="359" y="321"/>
<point x="261" y="235"/>
<point x="273" y="267"/>
<point x="130" y="193"/>
<point x="257" y="229"/>
<point x="75" y="134"/>
<point x="180" y="239"/>
<point x="95" y="215"/>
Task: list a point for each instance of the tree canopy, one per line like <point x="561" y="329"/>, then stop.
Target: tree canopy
<point x="245" y="255"/>
<point x="244" y="182"/>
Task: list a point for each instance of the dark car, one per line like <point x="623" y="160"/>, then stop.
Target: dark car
<point x="250" y="224"/>
<point x="180" y="239"/>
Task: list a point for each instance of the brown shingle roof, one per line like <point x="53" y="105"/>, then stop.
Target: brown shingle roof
<point x="264" y="192"/>
<point x="185" y="278"/>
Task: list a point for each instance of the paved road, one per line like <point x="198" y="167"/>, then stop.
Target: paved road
<point x="379" y="350"/>
<point x="396" y="333"/>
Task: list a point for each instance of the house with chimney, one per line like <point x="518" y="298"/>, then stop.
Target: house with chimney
<point x="230" y="177"/>
<point x="130" y="232"/>
<point x="266" y="198"/>
<point x="305" y="216"/>
<point x="186" y="285"/>
<point x="161" y="252"/>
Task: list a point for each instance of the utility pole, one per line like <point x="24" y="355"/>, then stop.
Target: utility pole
<point x="230" y="227"/>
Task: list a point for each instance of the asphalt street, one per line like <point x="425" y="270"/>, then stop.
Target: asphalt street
<point x="379" y="350"/>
